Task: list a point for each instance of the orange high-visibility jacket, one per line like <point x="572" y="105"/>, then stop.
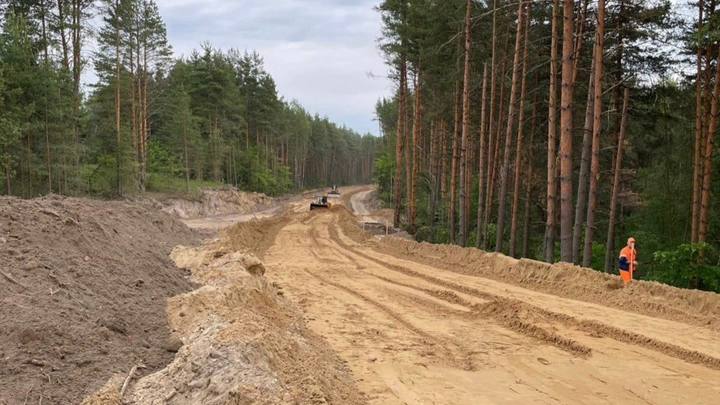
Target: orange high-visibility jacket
<point x="631" y="255"/>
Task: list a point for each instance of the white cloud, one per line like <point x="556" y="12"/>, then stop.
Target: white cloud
<point x="319" y="51"/>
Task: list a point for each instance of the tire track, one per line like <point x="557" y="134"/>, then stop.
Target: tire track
<point x="498" y="310"/>
<point x="426" y="338"/>
<point x="503" y="314"/>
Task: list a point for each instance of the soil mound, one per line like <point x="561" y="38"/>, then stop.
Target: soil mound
<point x="243" y="343"/>
<point x="216" y="202"/>
<point x="646" y="297"/>
<point x="84" y="290"/>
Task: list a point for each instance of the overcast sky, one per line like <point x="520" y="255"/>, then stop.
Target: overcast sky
<point x="320" y="52"/>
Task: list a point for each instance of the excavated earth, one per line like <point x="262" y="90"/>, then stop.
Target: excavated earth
<point x="84" y="285"/>
<point x="306" y="307"/>
<point x="421" y="323"/>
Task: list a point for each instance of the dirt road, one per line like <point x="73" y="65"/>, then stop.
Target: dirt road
<point x="416" y="332"/>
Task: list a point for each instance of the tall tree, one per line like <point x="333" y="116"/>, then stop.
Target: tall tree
<point x="483" y="135"/>
<point x="566" y="135"/>
<point x="550" y="224"/>
<point x="698" y="149"/>
<point x="504" y="168"/>
<point x="597" y="127"/>
<point x="464" y="150"/>
<point x="520" y="139"/>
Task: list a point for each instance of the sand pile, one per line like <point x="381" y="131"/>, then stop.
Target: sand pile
<point x="243" y="342"/>
<point x="216" y="202"/>
<point x="84" y="285"/>
<point x="565" y="280"/>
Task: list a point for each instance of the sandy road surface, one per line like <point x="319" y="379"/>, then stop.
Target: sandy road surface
<point x="413" y="333"/>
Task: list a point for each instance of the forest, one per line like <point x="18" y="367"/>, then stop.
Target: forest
<point x="150" y="121"/>
<point x="554" y="130"/>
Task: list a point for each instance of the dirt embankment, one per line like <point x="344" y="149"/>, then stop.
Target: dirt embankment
<point x="561" y="279"/>
<point x="243" y="342"/>
<point x="216" y="202"/>
<point x="84" y="285"/>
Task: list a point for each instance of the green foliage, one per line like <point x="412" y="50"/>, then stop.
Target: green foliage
<point x="164" y="183"/>
<point x="215" y="115"/>
<point x="689" y="266"/>
<point x="383" y="173"/>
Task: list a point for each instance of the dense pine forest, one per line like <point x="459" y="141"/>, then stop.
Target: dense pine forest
<point x="150" y="122"/>
<point x="555" y="130"/>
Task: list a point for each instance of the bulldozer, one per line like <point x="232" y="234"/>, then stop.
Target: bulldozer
<point x="320" y="203"/>
<point x="334" y="192"/>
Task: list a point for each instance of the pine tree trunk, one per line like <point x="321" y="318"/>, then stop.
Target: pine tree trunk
<point x="63" y="34"/>
<point x="482" y="228"/>
<point x="552" y="140"/>
<point x="520" y="140"/>
<point x="597" y="127"/>
<point x="409" y="146"/>
<point x="698" y="151"/>
<point x="117" y="106"/>
<point x="443" y="161"/>
<point x="494" y="161"/>
<point x="465" y="127"/>
<point x="185" y="150"/>
<point x="434" y="177"/>
<point x="417" y="136"/>
<point x="583" y="178"/>
<point x="145" y="122"/>
<point x="77" y="70"/>
<point x="455" y="160"/>
<point x="529" y="181"/>
<point x="610" y="243"/>
<point x="566" y="135"/>
<point x="707" y="165"/>
<point x="579" y="39"/>
<point x="504" y="170"/>
<point x="481" y="156"/>
<point x="399" y="143"/>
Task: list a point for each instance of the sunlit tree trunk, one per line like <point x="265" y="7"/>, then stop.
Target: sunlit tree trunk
<point x="566" y="134"/>
<point x="707" y="165"/>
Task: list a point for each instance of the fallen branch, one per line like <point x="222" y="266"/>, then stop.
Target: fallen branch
<point x="128" y="378"/>
<point x="27" y="395"/>
<point x="12" y="280"/>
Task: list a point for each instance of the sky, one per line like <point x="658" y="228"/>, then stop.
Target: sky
<point x="322" y="53"/>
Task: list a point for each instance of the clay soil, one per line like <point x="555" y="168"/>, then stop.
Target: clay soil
<point x="84" y="286"/>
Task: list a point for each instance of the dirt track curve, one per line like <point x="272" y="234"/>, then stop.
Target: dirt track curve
<point x="414" y="330"/>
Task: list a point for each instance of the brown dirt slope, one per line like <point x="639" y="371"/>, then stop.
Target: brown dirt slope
<point x="243" y="341"/>
<point x="84" y="286"/>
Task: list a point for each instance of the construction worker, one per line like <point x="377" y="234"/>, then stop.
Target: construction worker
<point x="628" y="261"/>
